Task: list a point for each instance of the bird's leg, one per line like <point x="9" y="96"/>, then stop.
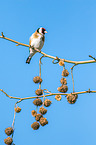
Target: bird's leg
<point x="37" y="50"/>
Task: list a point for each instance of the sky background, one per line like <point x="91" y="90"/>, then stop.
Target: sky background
<point x="71" y="26"/>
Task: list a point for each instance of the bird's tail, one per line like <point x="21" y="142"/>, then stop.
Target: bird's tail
<point x="28" y="59"/>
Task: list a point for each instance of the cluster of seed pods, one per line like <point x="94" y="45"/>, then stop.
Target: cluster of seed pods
<point x="9" y="131"/>
<point x="71" y="98"/>
<point x="39" y="116"/>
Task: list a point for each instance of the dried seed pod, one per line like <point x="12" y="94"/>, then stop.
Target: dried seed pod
<point x="8" y="141"/>
<point x="63" y="89"/>
<point x="37" y="102"/>
<point x="76" y="96"/>
<point x="37" y="79"/>
<point x="43" y="121"/>
<point x="63" y="81"/>
<point x="35" y="125"/>
<point x="42" y="110"/>
<point x="61" y="63"/>
<point x="39" y="92"/>
<point x="9" y="131"/>
<point x="17" y="110"/>
<point x="65" y="73"/>
<point x="34" y="113"/>
<point x="58" y="97"/>
<point x="47" y="102"/>
<point x="72" y="98"/>
<point x="38" y="116"/>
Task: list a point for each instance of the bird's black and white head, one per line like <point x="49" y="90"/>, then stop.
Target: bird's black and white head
<point x="41" y="30"/>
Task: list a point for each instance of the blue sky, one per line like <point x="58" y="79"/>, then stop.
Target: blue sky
<point x="71" y="27"/>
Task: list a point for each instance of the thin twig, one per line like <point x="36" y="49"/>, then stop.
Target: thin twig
<point x="56" y="59"/>
<point x="13" y="118"/>
<point x="11" y="97"/>
<point x="72" y="75"/>
<point x="40" y="70"/>
<point x="43" y="99"/>
<point x="46" y="55"/>
<point x="50" y="94"/>
<point x="73" y="66"/>
<point x="15" y="113"/>
<point x="72" y="78"/>
<point x="46" y="91"/>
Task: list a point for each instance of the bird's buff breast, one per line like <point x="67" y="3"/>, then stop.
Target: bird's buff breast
<point x="37" y="43"/>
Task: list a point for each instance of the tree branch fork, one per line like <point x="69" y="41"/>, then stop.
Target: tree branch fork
<point x="47" y="95"/>
<point x="54" y="58"/>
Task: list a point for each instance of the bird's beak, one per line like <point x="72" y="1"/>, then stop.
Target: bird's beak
<point x="45" y="32"/>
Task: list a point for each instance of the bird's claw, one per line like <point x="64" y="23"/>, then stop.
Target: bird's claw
<point x="38" y="50"/>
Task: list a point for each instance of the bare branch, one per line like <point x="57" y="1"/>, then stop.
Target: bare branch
<point x="11" y="97"/>
<point x="46" y="55"/>
<point x="72" y="78"/>
<point x="50" y="94"/>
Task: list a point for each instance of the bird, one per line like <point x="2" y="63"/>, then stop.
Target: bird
<point x="36" y="41"/>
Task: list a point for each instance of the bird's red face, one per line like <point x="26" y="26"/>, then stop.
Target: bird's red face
<point x="44" y="30"/>
<point x="41" y="30"/>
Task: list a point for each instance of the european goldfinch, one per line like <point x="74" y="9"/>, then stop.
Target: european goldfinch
<point x="36" y="41"/>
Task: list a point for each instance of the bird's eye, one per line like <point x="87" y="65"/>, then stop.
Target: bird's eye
<point x="43" y="31"/>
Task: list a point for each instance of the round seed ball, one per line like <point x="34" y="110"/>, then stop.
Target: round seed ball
<point x="35" y="125"/>
<point x="42" y="110"/>
<point x="39" y="92"/>
<point x="47" y="103"/>
<point x="37" y="79"/>
<point x="43" y="121"/>
<point x="38" y="116"/>
<point x="58" y="97"/>
<point x="9" y="131"/>
<point x="65" y="73"/>
<point x="37" y="102"/>
<point x="34" y="113"/>
<point x="61" y="63"/>
<point x="72" y="98"/>
<point x="17" y="110"/>
<point x="63" y="81"/>
<point x="8" y="140"/>
<point x="63" y="89"/>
